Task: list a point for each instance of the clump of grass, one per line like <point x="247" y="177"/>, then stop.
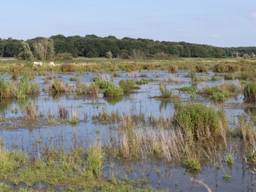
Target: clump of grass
<point x="106" y="118"/>
<point x="227" y="177"/>
<point x="189" y="89"/>
<point x="63" y="113"/>
<point x="91" y="90"/>
<point x="94" y="162"/>
<point x="74" y="118"/>
<point x="128" y="86"/>
<point x="229" y="159"/>
<point x="250" y="92"/>
<point x="195" y="79"/>
<point x="251" y="157"/>
<point x="10" y="161"/>
<point x="201" y="68"/>
<point x="173" y="68"/>
<point x="18" y="89"/>
<point x="74" y="79"/>
<point x="58" y="87"/>
<point x="143" y="81"/>
<point x="110" y="90"/>
<point x="192" y="165"/>
<point x="113" y="92"/>
<point x="68" y="68"/>
<point x="165" y="93"/>
<point x="31" y="112"/>
<point x="225" y="68"/>
<point x="221" y="93"/>
<point x="25" y="88"/>
<point x="200" y="123"/>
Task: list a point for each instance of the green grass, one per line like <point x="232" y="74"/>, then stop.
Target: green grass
<point x="110" y="90"/>
<point x="199" y="122"/>
<point x="74" y="79"/>
<point x="189" y="89"/>
<point x="165" y="93"/>
<point x="192" y="165"/>
<point x="128" y="86"/>
<point x="220" y="93"/>
<point x="20" y="89"/>
<point x="91" y="90"/>
<point x="250" y="92"/>
<point x="58" y="87"/>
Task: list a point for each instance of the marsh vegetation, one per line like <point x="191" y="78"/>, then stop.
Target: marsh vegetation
<point x="126" y="125"/>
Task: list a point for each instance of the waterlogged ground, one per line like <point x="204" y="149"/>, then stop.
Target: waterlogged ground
<point x="34" y="137"/>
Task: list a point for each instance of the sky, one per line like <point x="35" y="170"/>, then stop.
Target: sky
<point x="216" y="22"/>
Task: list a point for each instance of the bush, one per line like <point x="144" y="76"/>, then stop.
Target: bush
<point x="199" y="122"/>
<point x="250" y="92"/>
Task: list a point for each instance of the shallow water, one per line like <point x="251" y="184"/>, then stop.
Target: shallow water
<point x="34" y="137"/>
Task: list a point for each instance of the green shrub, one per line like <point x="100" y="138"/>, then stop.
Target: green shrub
<point x="250" y="92"/>
<point x="199" y="122"/>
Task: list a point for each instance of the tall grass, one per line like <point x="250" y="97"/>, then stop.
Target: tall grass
<point x="200" y="123"/>
<point x="20" y="89"/>
<point x="250" y="92"/>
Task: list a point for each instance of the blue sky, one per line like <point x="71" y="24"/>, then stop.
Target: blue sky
<point x="216" y="22"/>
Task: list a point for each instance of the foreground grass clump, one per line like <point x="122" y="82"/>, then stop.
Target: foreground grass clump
<point x="200" y="123"/>
<point x="220" y="93"/>
<point x="58" y="87"/>
<point x="250" y="92"/>
<point x="94" y="162"/>
<point x="128" y="86"/>
<point x="78" y="170"/>
<point x="20" y="89"/>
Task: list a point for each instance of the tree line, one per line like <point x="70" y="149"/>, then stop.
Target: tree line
<point x="61" y="47"/>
